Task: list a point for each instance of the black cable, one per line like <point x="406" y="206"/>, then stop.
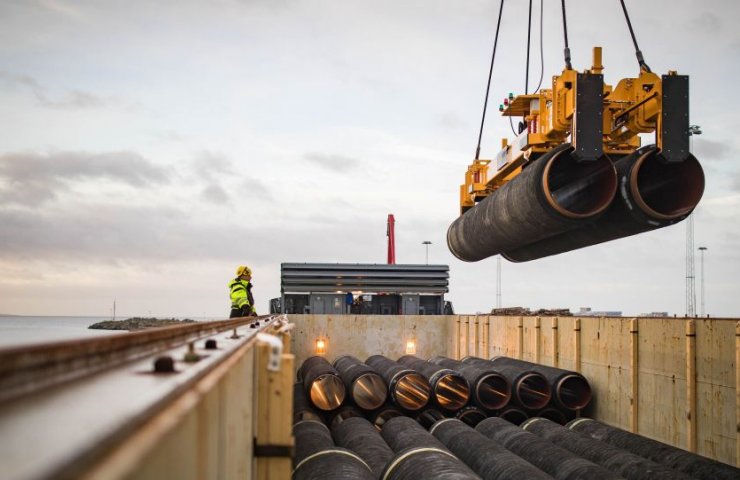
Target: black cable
<point x="565" y="34"/>
<point x="488" y="87"/>
<point x="529" y="37"/>
<point x="542" y="50"/>
<point x="638" y="53"/>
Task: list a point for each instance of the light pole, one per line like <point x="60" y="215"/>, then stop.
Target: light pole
<point x="426" y="243"/>
<point x="690" y="264"/>
<point x="701" y="251"/>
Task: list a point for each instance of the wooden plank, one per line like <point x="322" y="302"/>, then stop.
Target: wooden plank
<point x="520" y="338"/>
<point x="555" y="343"/>
<point x="537" y="339"/>
<point x="577" y="345"/>
<point x="737" y="394"/>
<point x="273" y="416"/>
<point x="634" y="374"/>
<point x="691" y="385"/>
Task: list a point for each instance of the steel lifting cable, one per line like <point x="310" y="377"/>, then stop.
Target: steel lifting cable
<point x="542" y="50"/>
<point x="529" y="41"/>
<point x="638" y="53"/>
<point x="566" y="52"/>
<point x="488" y="87"/>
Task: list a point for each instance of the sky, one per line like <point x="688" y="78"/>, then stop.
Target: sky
<point x="149" y="148"/>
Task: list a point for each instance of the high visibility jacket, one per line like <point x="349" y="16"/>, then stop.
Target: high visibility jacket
<point x="241" y="294"/>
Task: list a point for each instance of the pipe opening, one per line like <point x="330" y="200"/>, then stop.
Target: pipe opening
<point x="452" y="391"/>
<point x="573" y="392"/>
<point x="554" y="415"/>
<point x="369" y="391"/>
<point x="579" y="189"/>
<point x="514" y="415"/>
<point x="666" y="191"/>
<point x="533" y="391"/>
<point x="327" y="392"/>
<point x="493" y="392"/>
<point x="384" y="416"/>
<point x="412" y="391"/>
<point x="471" y="416"/>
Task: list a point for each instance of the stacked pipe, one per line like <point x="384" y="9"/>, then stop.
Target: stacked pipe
<point x="451" y="390"/>
<point x="491" y="390"/>
<point x="407" y="388"/>
<point x="322" y="383"/>
<point x="317" y="458"/>
<point x="689" y="463"/>
<point x="360" y="436"/>
<point x="552" y="195"/>
<point x="653" y="194"/>
<point x="530" y="389"/>
<point x="617" y="460"/>
<point x="341" y="414"/>
<point x="383" y="414"/>
<point x="556" y="461"/>
<point x="419" y="455"/>
<point x="571" y="390"/>
<point x="366" y="388"/>
<point x="484" y="456"/>
<point x="302" y="408"/>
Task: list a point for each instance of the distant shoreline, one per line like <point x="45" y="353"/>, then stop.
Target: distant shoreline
<point x="138" y="323"/>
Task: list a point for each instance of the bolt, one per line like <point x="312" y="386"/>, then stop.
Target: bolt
<point x="211" y="344"/>
<point x="164" y="364"/>
<point x="234" y="336"/>
<point x="191" y="356"/>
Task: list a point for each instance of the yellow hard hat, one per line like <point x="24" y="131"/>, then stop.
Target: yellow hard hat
<point x="243" y="270"/>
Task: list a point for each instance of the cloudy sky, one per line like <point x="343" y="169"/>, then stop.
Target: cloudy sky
<point x="148" y="148"/>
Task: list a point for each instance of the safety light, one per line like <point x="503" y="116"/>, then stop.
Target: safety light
<point x="411" y="347"/>
<point x="320" y="346"/>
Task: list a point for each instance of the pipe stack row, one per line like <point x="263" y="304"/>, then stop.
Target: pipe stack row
<point x="558" y="204"/>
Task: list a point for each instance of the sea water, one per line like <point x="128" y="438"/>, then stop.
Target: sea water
<point x="23" y="330"/>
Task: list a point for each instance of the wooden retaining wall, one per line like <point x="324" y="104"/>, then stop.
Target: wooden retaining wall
<point x="672" y="379"/>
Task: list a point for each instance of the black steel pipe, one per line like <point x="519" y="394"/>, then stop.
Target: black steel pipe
<point x="530" y="390"/>
<point x="491" y="390"/>
<point x="341" y="414"/>
<point x="652" y="194"/>
<point x="471" y="415"/>
<point x="419" y="455"/>
<point x="366" y="387"/>
<point x="383" y="414"/>
<point x="316" y="457"/>
<point x="617" y="460"/>
<point x="429" y="417"/>
<point x="514" y="415"/>
<point x="484" y="456"/>
<point x="553" y="194"/>
<point x="451" y="390"/>
<point x="555" y="415"/>
<point x="570" y="389"/>
<point x="361" y="436"/>
<point x="302" y="408"/>
<point x="689" y="463"/>
<point x="406" y="387"/>
<point x="321" y="383"/>
<point x="551" y="459"/>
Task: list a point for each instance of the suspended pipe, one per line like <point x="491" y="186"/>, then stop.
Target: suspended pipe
<point x="514" y="415"/>
<point x="341" y="414"/>
<point x="366" y="388"/>
<point x="551" y="459"/>
<point x="689" y="463"/>
<point x="530" y="389"/>
<point x="302" y="408"/>
<point x="321" y="383"/>
<point x="407" y="388"/>
<point x="484" y="456"/>
<point x="361" y="436"/>
<point x="617" y="460"/>
<point x="419" y="455"/>
<point x="652" y="194"/>
<point x="383" y="414"/>
<point x="316" y="457"/>
<point x="553" y="194"/>
<point x="491" y="390"/>
<point x="471" y="415"/>
<point x="451" y="390"/>
<point x="570" y="389"/>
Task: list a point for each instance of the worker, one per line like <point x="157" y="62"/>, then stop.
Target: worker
<point x="240" y="290"/>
